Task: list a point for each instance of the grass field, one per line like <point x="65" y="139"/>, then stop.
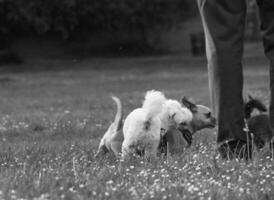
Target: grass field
<point x="53" y="113"/>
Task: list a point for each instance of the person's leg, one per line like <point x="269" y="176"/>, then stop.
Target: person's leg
<point x="223" y="23"/>
<point x="266" y="8"/>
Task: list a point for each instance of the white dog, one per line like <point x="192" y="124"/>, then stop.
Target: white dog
<point x="113" y="138"/>
<point x="142" y="127"/>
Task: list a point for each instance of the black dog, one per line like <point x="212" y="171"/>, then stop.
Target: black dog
<point x="258" y="125"/>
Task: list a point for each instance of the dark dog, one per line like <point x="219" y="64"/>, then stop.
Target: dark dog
<point x="258" y="125"/>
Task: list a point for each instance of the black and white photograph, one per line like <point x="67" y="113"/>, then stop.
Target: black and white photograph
<point x="137" y="99"/>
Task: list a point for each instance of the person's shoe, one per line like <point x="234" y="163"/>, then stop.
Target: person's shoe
<point x="235" y="149"/>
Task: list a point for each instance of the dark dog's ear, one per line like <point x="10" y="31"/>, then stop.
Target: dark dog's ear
<point x="191" y="106"/>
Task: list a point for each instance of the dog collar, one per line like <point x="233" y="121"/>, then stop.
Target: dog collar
<point x="187" y="136"/>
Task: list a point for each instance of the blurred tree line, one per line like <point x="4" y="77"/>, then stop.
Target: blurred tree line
<point x="68" y="17"/>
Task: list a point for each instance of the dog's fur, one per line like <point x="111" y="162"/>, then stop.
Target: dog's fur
<point x="113" y="138"/>
<point x="259" y="124"/>
<point x="177" y="139"/>
<point x="174" y="115"/>
<point x="142" y="133"/>
<point x="202" y="116"/>
<point x="142" y="127"/>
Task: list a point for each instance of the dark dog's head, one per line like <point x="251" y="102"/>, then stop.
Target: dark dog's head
<point x="202" y="116"/>
<point x="252" y="104"/>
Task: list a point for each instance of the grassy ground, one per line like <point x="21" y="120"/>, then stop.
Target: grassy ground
<point x="52" y="116"/>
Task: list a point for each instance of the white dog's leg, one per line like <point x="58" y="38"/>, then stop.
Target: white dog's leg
<point x="151" y="152"/>
<point x="126" y="150"/>
<point x="116" y="148"/>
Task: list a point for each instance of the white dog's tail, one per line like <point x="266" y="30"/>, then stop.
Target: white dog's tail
<point x="153" y="104"/>
<point x="119" y="114"/>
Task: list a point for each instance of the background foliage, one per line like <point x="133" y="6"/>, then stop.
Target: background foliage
<point x="67" y="17"/>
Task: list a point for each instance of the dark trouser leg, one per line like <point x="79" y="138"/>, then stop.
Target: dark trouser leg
<point x="266" y="8"/>
<point x="223" y="22"/>
<point x="271" y="107"/>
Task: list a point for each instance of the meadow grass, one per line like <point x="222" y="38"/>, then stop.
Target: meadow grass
<point x="52" y="117"/>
